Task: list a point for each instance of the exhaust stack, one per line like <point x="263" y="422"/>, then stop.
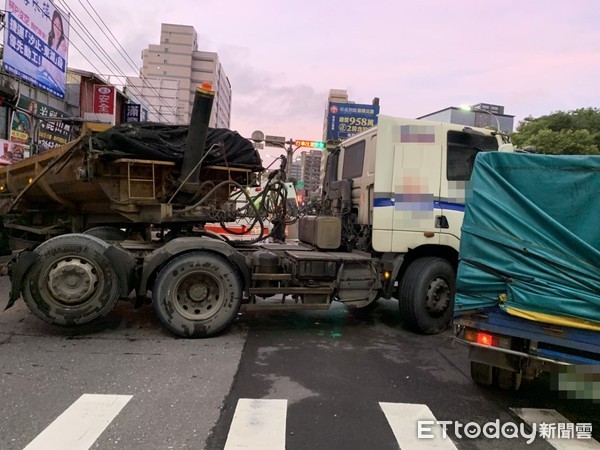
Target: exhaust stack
<point x="196" y="139"/>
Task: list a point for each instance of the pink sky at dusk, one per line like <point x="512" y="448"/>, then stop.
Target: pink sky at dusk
<point x="534" y="57"/>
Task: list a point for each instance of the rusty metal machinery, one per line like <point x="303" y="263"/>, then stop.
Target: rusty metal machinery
<point x="82" y="185"/>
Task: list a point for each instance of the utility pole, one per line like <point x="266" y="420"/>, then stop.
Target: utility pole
<point x="289" y="155"/>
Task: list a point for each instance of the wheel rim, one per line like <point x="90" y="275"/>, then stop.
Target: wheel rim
<point x="73" y="281"/>
<point x="438" y="297"/>
<point x="198" y="296"/>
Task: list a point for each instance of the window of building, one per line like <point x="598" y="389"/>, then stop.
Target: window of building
<point x="354" y="156"/>
<point x="462" y="150"/>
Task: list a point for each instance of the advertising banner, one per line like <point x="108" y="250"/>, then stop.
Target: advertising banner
<point x="6" y="157"/>
<point x="133" y="112"/>
<point x="104" y="99"/>
<point x="36" y="43"/>
<point x="347" y="119"/>
<point x="28" y="125"/>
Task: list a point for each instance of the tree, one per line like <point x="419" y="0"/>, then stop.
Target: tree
<point x="574" y="132"/>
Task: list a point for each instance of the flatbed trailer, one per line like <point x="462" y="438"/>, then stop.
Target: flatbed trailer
<point x="528" y="280"/>
<point x="506" y="348"/>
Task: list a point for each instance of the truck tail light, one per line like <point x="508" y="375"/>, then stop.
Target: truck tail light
<point x="487" y="339"/>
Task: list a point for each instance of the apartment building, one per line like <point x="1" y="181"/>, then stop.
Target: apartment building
<point x="310" y="162"/>
<point x="177" y="58"/>
<point x="160" y="96"/>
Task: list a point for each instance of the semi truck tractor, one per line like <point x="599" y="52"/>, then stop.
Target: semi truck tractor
<point x="124" y="214"/>
<point x="528" y="287"/>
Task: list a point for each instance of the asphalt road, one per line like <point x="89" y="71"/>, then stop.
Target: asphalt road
<point x="178" y="385"/>
<point x="329" y="377"/>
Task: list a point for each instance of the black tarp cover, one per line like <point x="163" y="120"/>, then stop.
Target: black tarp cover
<point x="147" y="140"/>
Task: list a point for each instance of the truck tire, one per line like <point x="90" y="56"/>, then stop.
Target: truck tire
<point x="426" y="295"/>
<point x="72" y="282"/>
<point x="197" y="294"/>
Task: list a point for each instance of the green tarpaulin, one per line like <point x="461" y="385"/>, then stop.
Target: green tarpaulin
<point x="531" y="236"/>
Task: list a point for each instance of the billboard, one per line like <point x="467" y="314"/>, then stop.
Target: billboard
<point x="347" y="119"/>
<point x="133" y="112"/>
<point x="28" y="124"/>
<point x="36" y="43"/>
<point x="105" y="102"/>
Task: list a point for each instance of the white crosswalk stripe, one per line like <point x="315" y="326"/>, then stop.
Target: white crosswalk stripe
<point x="81" y="424"/>
<point x="553" y="418"/>
<point x="403" y="418"/>
<point x="258" y="425"/>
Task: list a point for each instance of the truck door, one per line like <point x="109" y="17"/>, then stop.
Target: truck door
<point x="462" y="146"/>
<point x="417" y="167"/>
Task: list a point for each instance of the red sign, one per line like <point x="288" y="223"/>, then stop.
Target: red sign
<point x="104" y="99"/>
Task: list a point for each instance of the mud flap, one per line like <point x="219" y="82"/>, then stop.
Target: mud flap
<point x="17" y="271"/>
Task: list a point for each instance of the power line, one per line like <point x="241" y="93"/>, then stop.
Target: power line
<point x="122" y="52"/>
<point x="108" y="57"/>
<point x="132" y="65"/>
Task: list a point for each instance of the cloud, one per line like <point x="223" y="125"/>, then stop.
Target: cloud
<point x="417" y="57"/>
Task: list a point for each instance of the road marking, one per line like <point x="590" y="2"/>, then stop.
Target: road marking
<point x="81" y="424"/>
<point x="550" y="416"/>
<point x="258" y="425"/>
<point x="403" y="418"/>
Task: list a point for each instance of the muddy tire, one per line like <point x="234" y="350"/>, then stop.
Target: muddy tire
<point x="72" y="282"/>
<point x="426" y="295"/>
<point x="197" y="294"/>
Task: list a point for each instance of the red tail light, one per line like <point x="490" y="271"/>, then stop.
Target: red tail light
<point x="485" y="339"/>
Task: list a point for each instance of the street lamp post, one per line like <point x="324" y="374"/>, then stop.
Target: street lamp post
<point x="474" y="109"/>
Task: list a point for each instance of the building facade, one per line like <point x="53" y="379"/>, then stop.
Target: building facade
<point x="481" y="115"/>
<point x="310" y="162"/>
<point x="161" y="97"/>
<point x="177" y="58"/>
<point x="296" y="171"/>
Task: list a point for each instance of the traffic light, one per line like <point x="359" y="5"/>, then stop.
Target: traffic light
<point x="314" y="144"/>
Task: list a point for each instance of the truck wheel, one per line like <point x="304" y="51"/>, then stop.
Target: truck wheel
<point x="426" y="295"/>
<point x="72" y="282"/>
<point x="507" y="379"/>
<point x="482" y="373"/>
<point x="197" y="294"/>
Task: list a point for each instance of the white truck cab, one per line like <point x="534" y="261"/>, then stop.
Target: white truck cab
<point x="400" y="190"/>
<point x="409" y="179"/>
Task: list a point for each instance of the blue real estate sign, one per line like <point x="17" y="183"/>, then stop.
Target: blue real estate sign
<point x="36" y="44"/>
<point x="347" y="119"/>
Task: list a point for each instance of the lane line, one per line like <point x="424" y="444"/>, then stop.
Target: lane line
<point x="551" y="416"/>
<point x="81" y="424"/>
<point x="258" y="425"/>
<point x="403" y="418"/>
